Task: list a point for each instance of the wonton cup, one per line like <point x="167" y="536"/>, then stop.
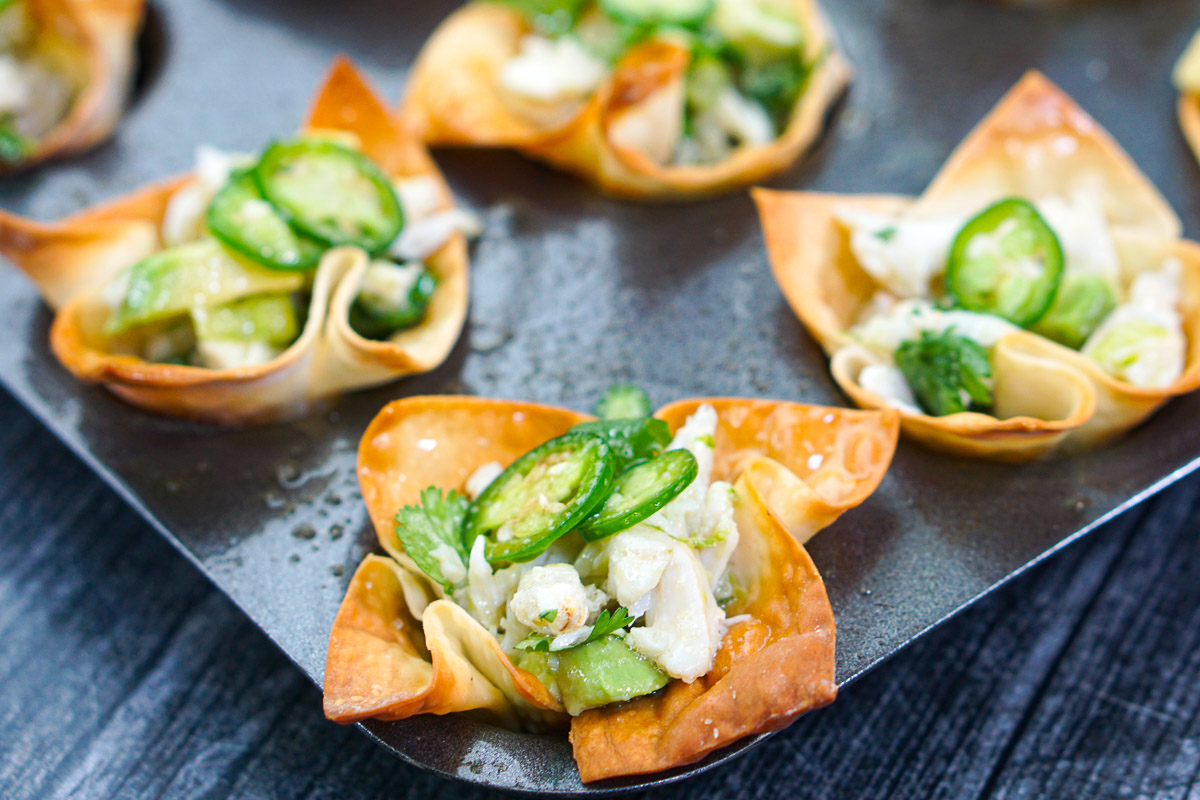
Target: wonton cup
<point x="397" y="650"/>
<point x="453" y="98"/>
<point x="92" y="42"/>
<point x="72" y="260"/>
<point x="1036" y="141"/>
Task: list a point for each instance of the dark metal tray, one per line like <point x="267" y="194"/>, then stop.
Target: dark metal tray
<point x="572" y="292"/>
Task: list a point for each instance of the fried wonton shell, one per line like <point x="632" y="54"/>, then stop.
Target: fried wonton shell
<point x="372" y="668"/>
<point x="71" y="260"/>
<point x="453" y="99"/>
<point x="809" y="464"/>
<point x="770" y="669"/>
<point x="1048" y="396"/>
<point x="93" y="41"/>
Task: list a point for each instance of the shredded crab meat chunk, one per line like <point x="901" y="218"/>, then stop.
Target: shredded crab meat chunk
<point x="683" y="621"/>
<point x="552" y="600"/>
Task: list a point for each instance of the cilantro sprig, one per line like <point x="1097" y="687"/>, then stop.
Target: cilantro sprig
<point x="607" y="623"/>
<point x="431" y="532"/>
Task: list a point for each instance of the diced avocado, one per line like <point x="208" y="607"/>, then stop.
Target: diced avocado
<point x="1117" y="347"/>
<point x="1082" y="303"/>
<point x="542" y="665"/>
<point x="197" y="274"/>
<point x="605" y="671"/>
<point x="269" y="318"/>
<point x="758" y="29"/>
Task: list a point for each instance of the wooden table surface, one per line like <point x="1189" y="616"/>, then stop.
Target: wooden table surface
<point x="126" y="675"/>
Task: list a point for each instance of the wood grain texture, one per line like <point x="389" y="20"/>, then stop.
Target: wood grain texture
<point x="127" y="675"/>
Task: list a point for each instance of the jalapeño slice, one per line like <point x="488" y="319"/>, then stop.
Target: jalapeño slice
<point x="623" y="401"/>
<point x="629" y="439"/>
<point x="242" y="220"/>
<point x="542" y="496"/>
<point x="331" y="193"/>
<point x="1007" y="262"/>
<point x="640" y="491"/>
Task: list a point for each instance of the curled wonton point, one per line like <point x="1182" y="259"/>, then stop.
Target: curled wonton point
<point x="93" y="42"/>
<point x="809" y="464"/>
<point x="1048" y="397"/>
<point x="771" y="668"/>
<point x="1039" y="402"/>
<point x="71" y="261"/>
<point x="384" y="664"/>
<point x="453" y="98"/>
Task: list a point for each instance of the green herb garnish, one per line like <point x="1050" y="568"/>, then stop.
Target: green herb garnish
<point x="948" y="373"/>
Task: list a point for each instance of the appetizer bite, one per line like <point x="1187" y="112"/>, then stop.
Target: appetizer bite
<point x="642" y="578"/>
<point x="647" y="99"/>
<point x="65" y="71"/>
<point x="329" y="261"/>
<point x="1037" y="294"/>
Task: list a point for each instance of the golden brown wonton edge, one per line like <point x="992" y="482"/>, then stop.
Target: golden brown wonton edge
<point x="377" y="646"/>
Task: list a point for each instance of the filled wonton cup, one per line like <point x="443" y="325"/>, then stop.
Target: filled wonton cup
<point x="91" y="44"/>
<point x="399" y="648"/>
<point x="453" y="99"/>
<point x="1047" y="396"/>
<point x="72" y="260"/>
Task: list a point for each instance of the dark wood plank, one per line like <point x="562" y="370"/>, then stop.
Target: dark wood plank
<point x="127" y="675"/>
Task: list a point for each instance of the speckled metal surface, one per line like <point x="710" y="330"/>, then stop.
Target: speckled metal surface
<point x="572" y="291"/>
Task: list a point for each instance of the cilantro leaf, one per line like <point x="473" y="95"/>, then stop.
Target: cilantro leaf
<point x="948" y="373"/>
<point x="607" y="623"/>
<point x="431" y="534"/>
<point x="535" y="642"/>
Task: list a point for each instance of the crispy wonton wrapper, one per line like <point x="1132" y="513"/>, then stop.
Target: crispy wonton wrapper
<point x="398" y="649"/>
<point x="92" y="43"/>
<point x="72" y="260"/>
<point x="1187" y="81"/>
<point x="454" y="98"/>
<point x="1035" y="142"/>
